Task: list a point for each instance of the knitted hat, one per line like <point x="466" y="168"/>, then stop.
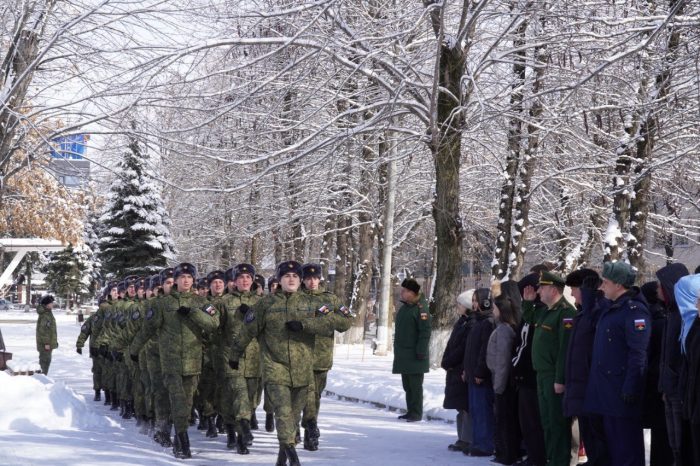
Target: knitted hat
<point x="465" y="298"/>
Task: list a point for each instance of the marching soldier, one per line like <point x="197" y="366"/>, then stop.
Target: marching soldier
<point x="89" y="330"/>
<point x="179" y="322"/>
<point x="329" y="306"/>
<point x="46" y="339"/>
<point x="285" y="326"/>
<point x="122" y="337"/>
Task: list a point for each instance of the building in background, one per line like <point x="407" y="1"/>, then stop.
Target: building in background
<point x="67" y="162"/>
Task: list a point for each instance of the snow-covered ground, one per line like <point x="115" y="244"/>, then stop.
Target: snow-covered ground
<point x="53" y="420"/>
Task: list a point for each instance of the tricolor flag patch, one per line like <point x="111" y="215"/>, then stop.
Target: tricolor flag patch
<point x="423" y="316"/>
<point x="209" y="309"/>
<point x="640" y="325"/>
<point x="324" y="310"/>
<point x="568" y="323"/>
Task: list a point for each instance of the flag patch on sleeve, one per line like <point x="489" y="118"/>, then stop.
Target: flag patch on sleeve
<point x="640" y="325"/>
<point x="209" y="309"/>
<point x="324" y="310"/>
<point x="423" y="316"/>
<point x="568" y="323"/>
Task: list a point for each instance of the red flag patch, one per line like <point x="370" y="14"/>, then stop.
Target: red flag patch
<point x="568" y="323"/>
<point x="640" y="325"/>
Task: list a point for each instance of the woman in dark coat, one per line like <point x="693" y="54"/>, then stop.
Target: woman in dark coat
<point x="456" y="394"/>
<point x="478" y="376"/>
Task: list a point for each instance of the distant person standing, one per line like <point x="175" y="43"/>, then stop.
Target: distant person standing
<point x="411" y="338"/>
<point x="46" y="339"/>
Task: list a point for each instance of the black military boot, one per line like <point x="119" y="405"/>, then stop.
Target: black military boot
<point x="292" y="456"/>
<point x="151" y="426"/>
<point x="203" y="423"/>
<point x="162" y="436"/>
<point x="212" y="431"/>
<point x="183" y="442"/>
<point x="297" y="437"/>
<point x="108" y="400"/>
<point x="128" y="409"/>
<point x="115" y="402"/>
<point x="310" y="443"/>
<point x="193" y="417"/>
<point x="145" y="425"/>
<point x="241" y="447"/>
<point x="253" y="422"/>
<point x="270" y="423"/>
<point x="230" y="436"/>
<point x="245" y="431"/>
<point x="177" y="449"/>
<point x="97" y="395"/>
<point x="312" y="426"/>
<point x="281" y="457"/>
<point x="139" y="421"/>
<point x="220" y="424"/>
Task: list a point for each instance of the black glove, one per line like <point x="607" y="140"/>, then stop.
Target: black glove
<point x="591" y="282"/>
<point x="420" y="357"/>
<point x="119" y="357"/>
<point x="629" y="398"/>
<point x="233" y="364"/>
<point x="79" y="350"/>
<point x="110" y="356"/>
<point x="244" y="309"/>
<point x="134" y="357"/>
<point x="93" y="352"/>
<point x="103" y="351"/>
<point x="294" y="326"/>
<point x="183" y="310"/>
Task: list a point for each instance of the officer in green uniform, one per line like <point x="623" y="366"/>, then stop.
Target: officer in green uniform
<point x="550" y="341"/>
<point x="110" y="294"/>
<point x="179" y="323"/>
<point x="285" y="326"/>
<point x="328" y="306"/>
<point x="46" y="339"/>
<point x="411" y="339"/>
<point x="89" y="330"/>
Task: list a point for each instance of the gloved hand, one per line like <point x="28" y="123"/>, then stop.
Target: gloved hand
<point x="294" y="326"/>
<point x="233" y="364"/>
<point x="421" y="357"/>
<point x="183" y="310"/>
<point x="591" y="283"/>
<point x="134" y="357"/>
<point x="244" y="309"/>
<point x="629" y="398"/>
<point x="103" y="351"/>
<point x="79" y="350"/>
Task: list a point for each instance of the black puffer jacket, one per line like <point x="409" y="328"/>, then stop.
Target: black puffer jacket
<point x="453" y="362"/>
<point x="671" y="360"/>
<point x="475" y="348"/>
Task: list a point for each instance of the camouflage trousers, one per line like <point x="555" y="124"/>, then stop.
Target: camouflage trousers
<point x="181" y="389"/>
<point x="159" y="392"/>
<point x="287" y="403"/>
<point x="255" y="392"/>
<point x="124" y="381"/>
<point x="137" y="390"/>
<point x="96" y="372"/>
<point x="109" y="377"/>
<point x="313" y="399"/>
<point x="234" y="399"/>
<point x="147" y="406"/>
<point x="206" y="391"/>
<point x="45" y="361"/>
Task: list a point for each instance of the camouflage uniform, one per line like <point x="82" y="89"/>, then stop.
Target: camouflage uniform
<point x="180" y="346"/>
<point x="90" y="329"/>
<point x="45" y="335"/>
<point x="287" y="355"/>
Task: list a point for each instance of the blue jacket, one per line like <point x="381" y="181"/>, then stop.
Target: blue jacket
<point x="619" y="363"/>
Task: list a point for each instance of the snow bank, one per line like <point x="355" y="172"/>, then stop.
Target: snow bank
<point x="31" y="404"/>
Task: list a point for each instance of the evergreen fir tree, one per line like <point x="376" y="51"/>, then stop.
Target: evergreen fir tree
<point x="137" y="238"/>
<point x="66" y="274"/>
<point x="91" y="249"/>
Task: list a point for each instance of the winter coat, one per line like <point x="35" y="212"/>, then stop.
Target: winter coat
<point x="456" y="396"/>
<point x="87" y="330"/>
<point x="523" y="374"/>
<point x="552" y="331"/>
<point x="231" y="325"/>
<point x="179" y="336"/>
<point x="476" y="347"/>
<point x="691" y="374"/>
<point x="670" y="360"/>
<point x="287" y="356"/>
<point x="580" y="350"/>
<point x="412" y="338"/>
<point x="327" y="302"/>
<point x="653" y="402"/>
<point x="619" y="364"/>
<point x="45" y="329"/>
<point x="498" y="356"/>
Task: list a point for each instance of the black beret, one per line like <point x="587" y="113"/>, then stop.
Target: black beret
<point x="216" y="275"/>
<point x="411" y="285"/>
<point x="185" y="268"/>
<point x="240" y="269"/>
<point x="288" y="267"/>
<point x="577" y="277"/>
<point x="46" y="300"/>
<point x="311" y="270"/>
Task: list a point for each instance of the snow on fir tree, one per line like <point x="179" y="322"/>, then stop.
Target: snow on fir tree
<point x="136" y="238"/>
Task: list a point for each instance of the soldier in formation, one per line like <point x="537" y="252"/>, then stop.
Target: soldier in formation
<point x="166" y="344"/>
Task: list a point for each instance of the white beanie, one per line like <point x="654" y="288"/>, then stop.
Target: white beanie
<point x="465" y="298"/>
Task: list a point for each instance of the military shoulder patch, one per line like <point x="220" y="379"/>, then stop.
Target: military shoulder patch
<point x="424" y="316"/>
<point x="346" y="312"/>
<point x="84" y="327"/>
<point x="249" y="316"/>
<point x="209" y="309"/>
<point x="324" y="310"/>
<point x="568" y="323"/>
<point x="640" y="325"/>
<point x="150" y="313"/>
<point x="48" y="323"/>
<point x="136" y="315"/>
